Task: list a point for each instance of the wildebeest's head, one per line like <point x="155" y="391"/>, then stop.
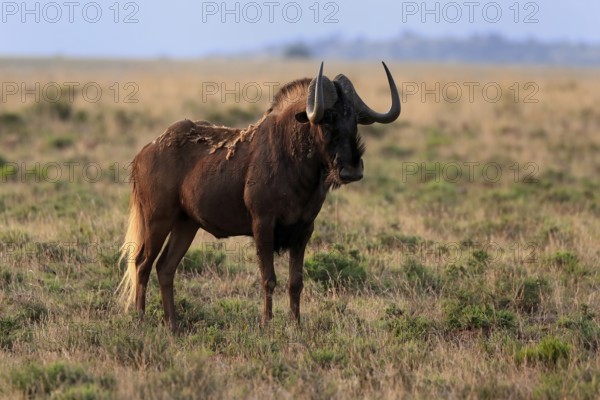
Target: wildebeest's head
<point x="335" y="109"/>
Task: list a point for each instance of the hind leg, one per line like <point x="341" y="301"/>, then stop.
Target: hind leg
<point x="181" y="238"/>
<point x="156" y="234"/>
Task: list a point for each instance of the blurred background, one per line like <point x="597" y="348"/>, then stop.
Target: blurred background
<point x="506" y="31"/>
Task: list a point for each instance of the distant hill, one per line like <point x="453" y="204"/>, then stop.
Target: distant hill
<point x="493" y="49"/>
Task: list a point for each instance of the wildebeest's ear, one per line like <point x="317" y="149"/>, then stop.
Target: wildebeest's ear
<point x="302" y="117"/>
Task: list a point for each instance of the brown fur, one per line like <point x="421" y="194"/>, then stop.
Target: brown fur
<point x="267" y="181"/>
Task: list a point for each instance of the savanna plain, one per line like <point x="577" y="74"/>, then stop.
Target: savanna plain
<point x="463" y="265"/>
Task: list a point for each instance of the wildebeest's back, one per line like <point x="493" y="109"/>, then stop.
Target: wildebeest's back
<point x="197" y="168"/>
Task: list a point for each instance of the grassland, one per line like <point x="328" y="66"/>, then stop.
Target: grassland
<point x="420" y="283"/>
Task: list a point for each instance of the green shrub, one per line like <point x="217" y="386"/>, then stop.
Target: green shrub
<point x="548" y="352"/>
<point x="530" y="293"/>
<point x="419" y="277"/>
<point x="60" y="141"/>
<point x="460" y="315"/>
<point x="8" y="277"/>
<point x="61" y="110"/>
<point x="409" y="327"/>
<point x="8" y="328"/>
<point x="11" y="123"/>
<point x="336" y="269"/>
<point x="33" y="311"/>
<point x="327" y="358"/>
<point x="478" y="261"/>
<point x="36" y="380"/>
<point x="7" y="171"/>
<point x="584" y="327"/>
<point x="196" y="261"/>
<point x="87" y="391"/>
<point x="10" y="118"/>
<point x="564" y="259"/>
<point x="398" y="241"/>
<point x="568" y="263"/>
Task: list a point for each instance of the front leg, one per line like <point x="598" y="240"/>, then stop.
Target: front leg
<point x="263" y="231"/>
<point x="295" y="284"/>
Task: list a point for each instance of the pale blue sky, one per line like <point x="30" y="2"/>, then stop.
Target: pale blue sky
<point x="187" y="28"/>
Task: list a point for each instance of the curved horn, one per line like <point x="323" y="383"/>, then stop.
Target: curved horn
<point x="315" y="104"/>
<point x="367" y="116"/>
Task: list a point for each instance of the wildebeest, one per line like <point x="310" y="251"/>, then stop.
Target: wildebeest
<point x="305" y="144"/>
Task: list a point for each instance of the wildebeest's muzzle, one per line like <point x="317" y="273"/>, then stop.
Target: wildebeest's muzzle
<point x="352" y="173"/>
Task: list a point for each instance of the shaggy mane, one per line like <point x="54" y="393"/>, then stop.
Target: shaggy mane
<point x="290" y="93"/>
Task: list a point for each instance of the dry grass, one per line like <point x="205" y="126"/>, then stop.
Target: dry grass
<point x="473" y="288"/>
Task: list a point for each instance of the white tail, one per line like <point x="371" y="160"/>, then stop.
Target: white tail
<point x="131" y="248"/>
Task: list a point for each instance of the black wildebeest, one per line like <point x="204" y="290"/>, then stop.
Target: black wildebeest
<point x="305" y="144"/>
